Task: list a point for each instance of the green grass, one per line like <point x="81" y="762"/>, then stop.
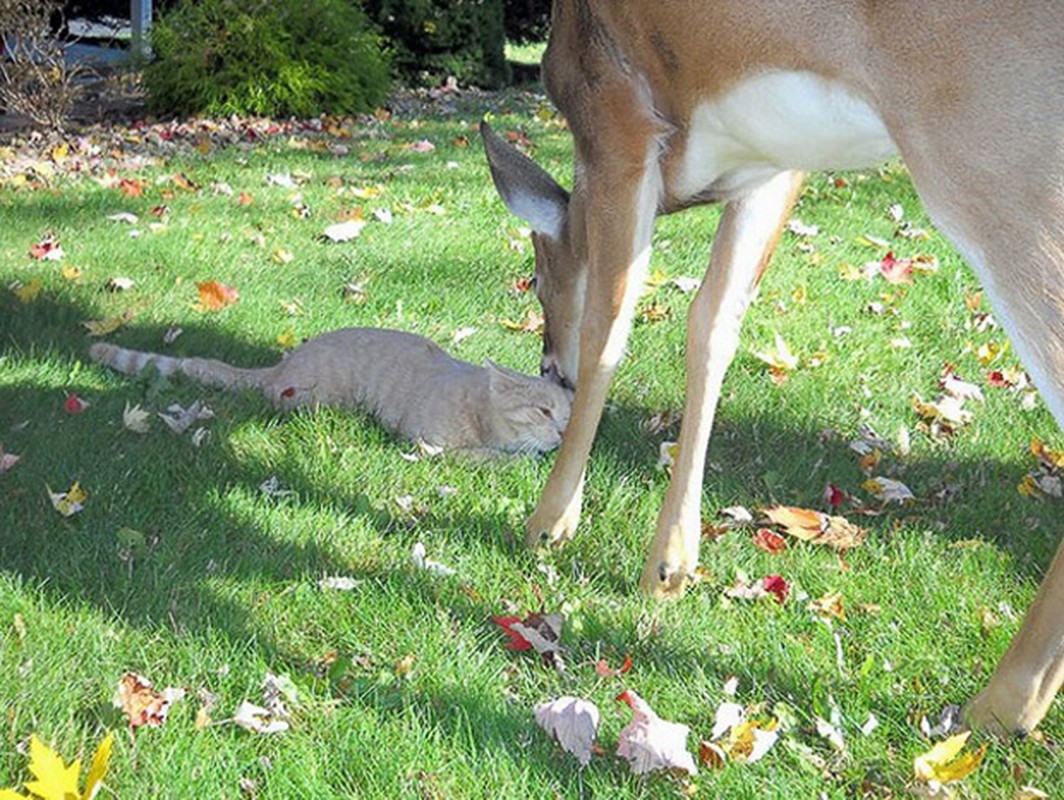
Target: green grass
<point x="225" y="587"/>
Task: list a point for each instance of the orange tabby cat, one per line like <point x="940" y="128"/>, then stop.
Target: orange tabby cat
<point x="407" y="382"/>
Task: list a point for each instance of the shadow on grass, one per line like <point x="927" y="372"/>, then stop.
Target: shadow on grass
<point x="203" y="542"/>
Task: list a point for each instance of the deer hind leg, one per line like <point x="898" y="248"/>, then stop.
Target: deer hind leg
<point x="1012" y="234"/>
<point x="748" y="232"/>
<point x="621" y="201"/>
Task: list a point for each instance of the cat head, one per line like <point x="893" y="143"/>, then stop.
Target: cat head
<point x="528" y="415"/>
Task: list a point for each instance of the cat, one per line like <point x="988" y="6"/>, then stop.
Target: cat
<point x="407" y="382"/>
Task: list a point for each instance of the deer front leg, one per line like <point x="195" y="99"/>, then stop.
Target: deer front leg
<point x="1031" y="672"/>
<point x="619" y="221"/>
<point x="746" y="236"/>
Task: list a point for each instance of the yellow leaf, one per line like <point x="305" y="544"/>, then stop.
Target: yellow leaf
<point x="72" y="273"/>
<point x="54" y="780"/>
<point x="1054" y="459"/>
<point x="287" y="340"/>
<point x="70" y="502"/>
<point x="27" y="292"/>
<point x="102" y="327"/>
<point x="781" y="358"/>
<point x="11" y="794"/>
<point x="942" y="764"/>
<point x="98" y="769"/>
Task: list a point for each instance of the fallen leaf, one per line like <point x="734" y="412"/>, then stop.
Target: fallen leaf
<point x="70" y="502"/>
<point x="889" y="490"/>
<point x="47" y="250"/>
<point x="141" y="704"/>
<point x="604" y="670"/>
<point x="180" y="419"/>
<point x="572" y="722"/>
<point x="943" y="764"/>
<point x="816" y="527"/>
<point x="777" y="586"/>
<point x="539" y="632"/>
<point x="828" y="606"/>
<point x="532" y="323"/>
<point x="769" y="541"/>
<point x="344" y="231"/>
<point x="136" y="419"/>
<point x="102" y="327"/>
<point x="101" y="760"/>
<point x="257" y="719"/>
<point x="423" y="146"/>
<point x="427" y="564"/>
<point x="780" y="359"/>
<point x="667" y="455"/>
<point x="119" y="284"/>
<point x="29" y="291"/>
<point x="651" y="743"/>
<point x="214" y="296"/>
<point x="73" y="404"/>
<point x="7" y="461"/>
<point x="54" y="780"/>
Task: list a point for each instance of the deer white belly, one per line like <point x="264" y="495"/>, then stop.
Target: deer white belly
<point x="776" y="121"/>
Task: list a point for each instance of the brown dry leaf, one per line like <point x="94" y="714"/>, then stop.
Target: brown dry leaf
<point x="816" y="527"/>
<point x="141" y="704"/>
<point x="829" y="606"/>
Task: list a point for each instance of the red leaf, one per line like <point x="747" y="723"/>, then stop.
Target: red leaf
<point x="834" y="495"/>
<point x="896" y="270"/>
<point x="769" y="541"/>
<point x="74" y="404"/>
<point x="775" y="584"/>
<point x="517" y="641"/>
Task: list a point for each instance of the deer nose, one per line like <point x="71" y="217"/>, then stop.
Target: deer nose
<point x="548" y="368"/>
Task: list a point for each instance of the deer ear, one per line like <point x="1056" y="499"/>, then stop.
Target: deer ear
<point x="526" y="188"/>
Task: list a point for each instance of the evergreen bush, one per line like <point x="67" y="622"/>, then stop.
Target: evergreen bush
<point x="266" y="58"/>
<point x="432" y="39"/>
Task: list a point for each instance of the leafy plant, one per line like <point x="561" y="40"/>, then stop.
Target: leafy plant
<point x="433" y="39"/>
<point x="285" y="58"/>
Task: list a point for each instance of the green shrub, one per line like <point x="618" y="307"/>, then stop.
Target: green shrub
<point x="527" y="20"/>
<point x="265" y="57"/>
<point x="431" y="39"/>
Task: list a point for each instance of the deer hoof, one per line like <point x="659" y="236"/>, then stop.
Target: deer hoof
<point x="664" y="581"/>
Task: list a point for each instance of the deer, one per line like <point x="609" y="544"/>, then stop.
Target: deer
<point x="677" y="103"/>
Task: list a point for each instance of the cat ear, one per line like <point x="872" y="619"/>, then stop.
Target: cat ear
<point x="499" y="376"/>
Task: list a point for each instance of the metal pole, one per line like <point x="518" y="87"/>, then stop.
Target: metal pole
<point x="140" y="14"/>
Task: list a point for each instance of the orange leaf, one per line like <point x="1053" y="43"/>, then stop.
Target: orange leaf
<point x="214" y="295"/>
<point x="769" y="541"/>
<point x="802" y="523"/>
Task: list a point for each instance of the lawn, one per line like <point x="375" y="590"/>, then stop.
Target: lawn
<point x="183" y="568"/>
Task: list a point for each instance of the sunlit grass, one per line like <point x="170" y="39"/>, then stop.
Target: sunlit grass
<point x="226" y="586"/>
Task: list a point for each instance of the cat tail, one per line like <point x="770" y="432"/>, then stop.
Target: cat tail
<point x="206" y="371"/>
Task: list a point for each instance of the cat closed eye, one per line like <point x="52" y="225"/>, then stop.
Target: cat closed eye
<point x="546" y="412"/>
